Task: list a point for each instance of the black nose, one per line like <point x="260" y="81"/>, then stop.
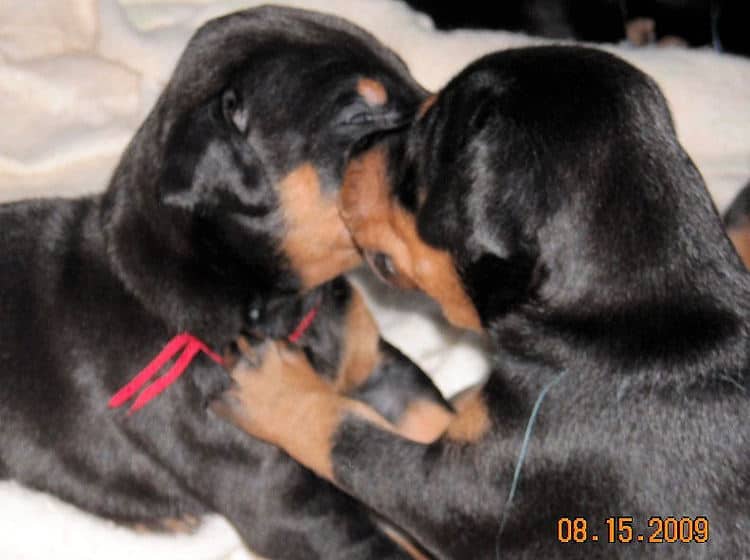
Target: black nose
<point x="382" y="264"/>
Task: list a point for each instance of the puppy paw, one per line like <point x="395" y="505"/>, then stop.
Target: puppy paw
<point x="271" y="383"/>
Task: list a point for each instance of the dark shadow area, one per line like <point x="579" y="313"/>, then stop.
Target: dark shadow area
<point x="721" y="24"/>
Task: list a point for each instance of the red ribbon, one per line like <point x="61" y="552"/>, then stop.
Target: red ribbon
<point x="303" y="325"/>
<point x="190" y="346"/>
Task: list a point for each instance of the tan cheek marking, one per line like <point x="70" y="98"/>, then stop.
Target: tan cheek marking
<point x="362" y="192"/>
<point x="372" y="91"/>
<point x="741" y="240"/>
<point x="434" y="271"/>
<point x="472" y="418"/>
<point x="360" y="353"/>
<point x="366" y="205"/>
<point x="316" y="240"/>
<point x="378" y="223"/>
<point x="423" y="421"/>
<point x="425" y="106"/>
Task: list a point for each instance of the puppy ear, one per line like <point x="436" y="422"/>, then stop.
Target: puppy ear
<point x="207" y="165"/>
<point x="184" y="149"/>
<point x="496" y="262"/>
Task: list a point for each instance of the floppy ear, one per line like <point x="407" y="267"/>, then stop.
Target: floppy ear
<point x="182" y="154"/>
<point x="478" y="212"/>
<point x="495" y="264"/>
<point x="209" y="165"/>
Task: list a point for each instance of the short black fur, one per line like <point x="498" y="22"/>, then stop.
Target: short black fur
<point x="188" y="237"/>
<point x="587" y="241"/>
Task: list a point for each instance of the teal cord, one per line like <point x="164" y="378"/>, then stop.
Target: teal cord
<point x="522" y="455"/>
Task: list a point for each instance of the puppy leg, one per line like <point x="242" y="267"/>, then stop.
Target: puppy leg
<point x="376" y="373"/>
<point x="403" y="394"/>
<point x="284" y="402"/>
<point x="280" y="394"/>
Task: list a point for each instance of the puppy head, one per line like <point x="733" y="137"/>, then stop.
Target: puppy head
<point x="250" y="138"/>
<point x="548" y="177"/>
<point x="385" y="227"/>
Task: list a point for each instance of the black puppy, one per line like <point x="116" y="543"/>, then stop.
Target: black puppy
<point x="225" y="197"/>
<point x="543" y="197"/>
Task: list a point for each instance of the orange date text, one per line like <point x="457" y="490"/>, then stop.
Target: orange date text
<point x="621" y="530"/>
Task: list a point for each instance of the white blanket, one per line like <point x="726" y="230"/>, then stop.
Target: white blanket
<point x="78" y="76"/>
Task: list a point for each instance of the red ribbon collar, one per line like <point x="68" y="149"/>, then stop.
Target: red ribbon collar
<point x="303" y="325"/>
<point x="190" y="346"/>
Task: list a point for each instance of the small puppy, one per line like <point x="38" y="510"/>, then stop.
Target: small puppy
<point x="543" y="198"/>
<point x="226" y="197"/>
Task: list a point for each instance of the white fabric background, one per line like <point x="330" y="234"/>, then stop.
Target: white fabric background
<point x="78" y="76"/>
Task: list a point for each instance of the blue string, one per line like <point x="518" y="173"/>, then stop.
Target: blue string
<point x="522" y="455"/>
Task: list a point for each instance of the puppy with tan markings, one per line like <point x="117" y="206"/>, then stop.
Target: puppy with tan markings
<point x="224" y="203"/>
<point x="543" y="197"/>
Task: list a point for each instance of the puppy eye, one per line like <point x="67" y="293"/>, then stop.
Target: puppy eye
<point x="383" y="264"/>
<point x="253" y="314"/>
<point x="229" y="101"/>
<point x="234" y="114"/>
